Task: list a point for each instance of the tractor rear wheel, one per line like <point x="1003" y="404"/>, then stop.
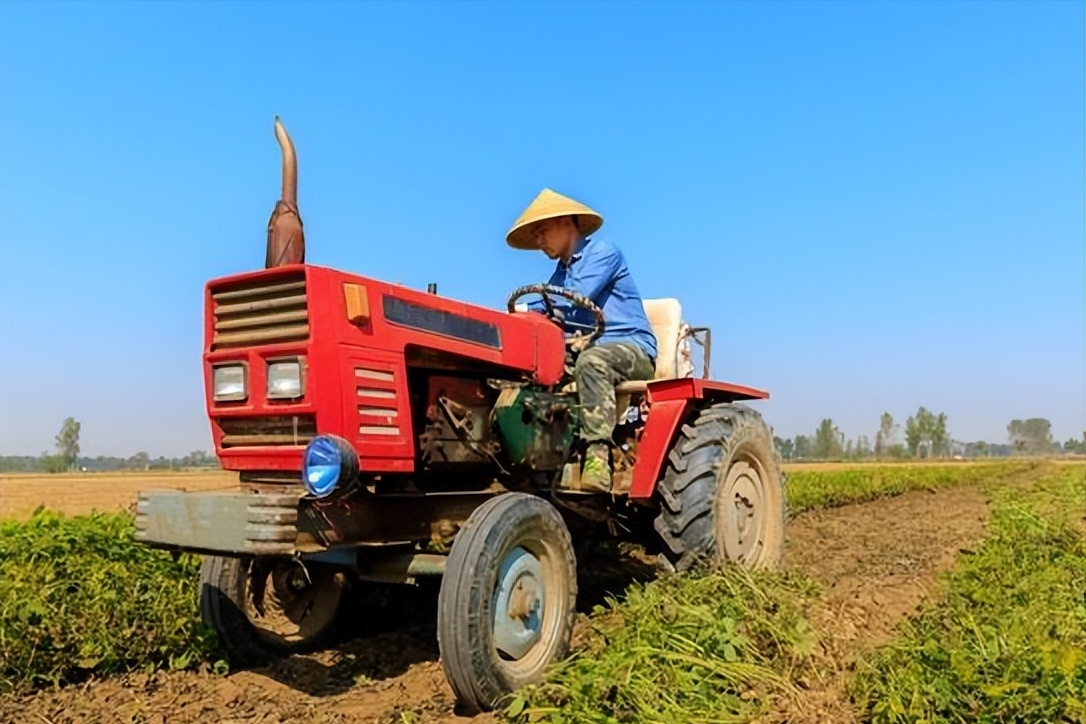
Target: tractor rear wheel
<point x="506" y="605"/>
<point x="263" y="608"/>
<point x="722" y="494"/>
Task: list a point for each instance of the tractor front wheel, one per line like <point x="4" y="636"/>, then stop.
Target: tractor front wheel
<point x="506" y="605"/>
<point x="722" y="495"/>
<point x="263" y="608"/>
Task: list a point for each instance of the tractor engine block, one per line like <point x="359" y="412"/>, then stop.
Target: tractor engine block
<point x="457" y="430"/>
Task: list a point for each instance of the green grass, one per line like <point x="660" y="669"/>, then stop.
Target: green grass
<point x="682" y="649"/>
<point x="80" y="595"/>
<point x="1006" y="640"/>
<point x="810" y="489"/>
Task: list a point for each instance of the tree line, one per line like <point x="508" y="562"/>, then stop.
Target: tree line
<point x="66" y="458"/>
<point x="925" y="435"/>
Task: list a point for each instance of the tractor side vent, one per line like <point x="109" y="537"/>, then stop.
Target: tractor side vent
<point x="261" y="312"/>
<point x="378" y="405"/>
<point x="273" y="430"/>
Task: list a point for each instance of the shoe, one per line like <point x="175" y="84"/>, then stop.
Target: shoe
<point x="596" y="473"/>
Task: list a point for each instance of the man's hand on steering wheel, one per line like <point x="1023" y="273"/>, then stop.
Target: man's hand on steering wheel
<point x="557" y="315"/>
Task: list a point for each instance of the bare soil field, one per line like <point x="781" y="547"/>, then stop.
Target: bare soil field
<point x="876" y="561"/>
<point x="78" y="493"/>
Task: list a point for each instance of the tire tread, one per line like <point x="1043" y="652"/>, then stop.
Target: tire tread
<point x="687" y="490"/>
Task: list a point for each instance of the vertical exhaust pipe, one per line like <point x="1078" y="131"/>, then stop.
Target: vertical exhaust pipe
<point x="286" y="242"/>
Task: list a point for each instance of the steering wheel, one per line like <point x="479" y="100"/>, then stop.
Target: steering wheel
<point x="546" y="290"/>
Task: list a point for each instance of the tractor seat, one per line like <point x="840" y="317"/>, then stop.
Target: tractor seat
<point x="666" y="318"/>
<point x="672" y="344"/>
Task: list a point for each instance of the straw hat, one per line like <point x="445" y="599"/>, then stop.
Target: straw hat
<point x="550" y="205"/>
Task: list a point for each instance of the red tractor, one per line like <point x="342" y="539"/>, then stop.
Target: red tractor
<point x="387" y="434"/>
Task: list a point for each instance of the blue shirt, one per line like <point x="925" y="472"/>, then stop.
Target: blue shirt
<point x="598" y="271"/>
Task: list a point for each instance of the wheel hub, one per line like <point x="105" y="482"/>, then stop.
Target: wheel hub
<point x="298" y="579"/>
<point x="518" y="604"/>
<point x="288" y="604"/>
<point x="743" y="511"/>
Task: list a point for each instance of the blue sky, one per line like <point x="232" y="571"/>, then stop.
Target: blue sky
<point x="875" y="206"/>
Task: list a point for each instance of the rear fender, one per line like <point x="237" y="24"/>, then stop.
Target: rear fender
<point x="671" y="403"/>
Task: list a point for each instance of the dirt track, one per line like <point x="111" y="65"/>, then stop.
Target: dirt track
<point x="875" y="561"/>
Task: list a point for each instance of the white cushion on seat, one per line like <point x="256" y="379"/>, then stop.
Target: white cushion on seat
<point x="672" y="340"/>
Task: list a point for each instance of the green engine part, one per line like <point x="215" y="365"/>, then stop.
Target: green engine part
<point x="536" y="427"/>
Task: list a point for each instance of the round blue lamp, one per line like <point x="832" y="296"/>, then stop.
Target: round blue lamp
<point x="330" y="463"/>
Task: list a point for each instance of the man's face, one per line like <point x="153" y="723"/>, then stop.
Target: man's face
<point x="555" y="237"/>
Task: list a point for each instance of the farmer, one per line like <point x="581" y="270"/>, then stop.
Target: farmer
<point x="562" y="229"/>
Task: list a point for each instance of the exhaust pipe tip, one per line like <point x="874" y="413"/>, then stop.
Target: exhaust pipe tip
<point x="286" y="240"/>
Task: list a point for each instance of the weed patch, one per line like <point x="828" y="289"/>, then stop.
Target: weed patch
<point x="1006" y="640"/>
<point x="80" y="595"/>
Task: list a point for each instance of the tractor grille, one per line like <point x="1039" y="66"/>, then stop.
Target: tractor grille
<point x="269" y="430"/>
<point x="261" y="312"/>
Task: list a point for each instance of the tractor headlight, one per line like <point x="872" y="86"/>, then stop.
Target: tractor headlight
<point x="329" y="463"/>
<point x="228" y="383"/>
<point x="285" y="379"/>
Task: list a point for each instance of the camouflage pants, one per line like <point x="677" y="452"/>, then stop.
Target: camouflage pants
<point x="597" y="372"/>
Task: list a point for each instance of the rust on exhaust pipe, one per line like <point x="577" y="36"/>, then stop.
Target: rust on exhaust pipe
<point x="286" y="241"/>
